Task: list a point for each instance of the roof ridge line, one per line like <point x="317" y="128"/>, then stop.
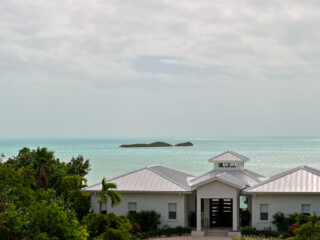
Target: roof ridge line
<point x="161" y="175"/>
<point x="245" y="173"/>
<point x="247" y="170"/>
<point x="128" y="173"/>
<point x="122" y="175"/>
<point x="239" y="155"/>
<point x="219" y="155"/>
<point x="197" y="177"/>
<point x="311" y="169"/>
<point x="174" y="170"/>
<point x="276" y="176"/>
<point x="216" y="178"/>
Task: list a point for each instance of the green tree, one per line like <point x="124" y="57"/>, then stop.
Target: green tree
<point x="108" y="192"/>
<point x="43" y="160"/>
<point x="48" y="169"/>
<point x="39" y="200"/>
<point x="70" y="187"/>
<point x="78" y="166"/>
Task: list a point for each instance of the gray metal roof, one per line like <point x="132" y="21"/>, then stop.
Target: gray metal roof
<point x="239" y="178"/>
<point x="153" y="179"/>
<point x="302" y="179"/>
<point x="229" y="156"/>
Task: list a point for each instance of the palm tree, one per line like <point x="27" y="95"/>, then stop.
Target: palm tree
<point x="107" y="192"/>
<point x="43" y="160"/>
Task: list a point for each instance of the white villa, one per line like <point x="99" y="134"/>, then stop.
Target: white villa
<point x="212" y="200"/>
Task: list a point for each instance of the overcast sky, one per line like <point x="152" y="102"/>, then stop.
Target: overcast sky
<point x="106" y="68"/>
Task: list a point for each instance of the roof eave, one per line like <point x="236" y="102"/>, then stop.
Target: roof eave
<point x="144" y="191"/>
<point x="252" y="193"/>
<point x="194" y="187"/>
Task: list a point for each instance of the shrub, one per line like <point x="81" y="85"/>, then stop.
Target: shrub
<point x="115" y="234"/>
<point x="284" y="224"/>
<point x="116" y="222"/>
<point x="248" y="231"/>
<point x="96" y="224"/>
<point x="251" y="231"/>
<point x="165" y="231"/>
<point x="245" y="217"/>
<point x="303" y="218"/>
<point x="308" y="231"/>
<point x="147" y="220"/>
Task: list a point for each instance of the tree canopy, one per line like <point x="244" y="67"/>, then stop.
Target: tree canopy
<point x="40" y="198"/>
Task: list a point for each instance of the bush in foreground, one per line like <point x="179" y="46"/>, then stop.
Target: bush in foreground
<point x="251" y="231"/>
<point x="166" y="231"/>
<point x="147" y="220"/>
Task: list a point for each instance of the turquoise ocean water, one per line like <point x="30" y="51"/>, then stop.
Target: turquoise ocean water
<point x="268" y="156"/>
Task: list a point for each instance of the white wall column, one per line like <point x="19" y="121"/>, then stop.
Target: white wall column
<point x="198" y="213"/>
<point x="206" y="212"/>
<point x="235" y="214"/>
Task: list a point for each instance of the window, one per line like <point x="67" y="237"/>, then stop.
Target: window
<point x="264" y="209"/>
<point x="227" y="165"/>
<point x="132" y="206"/>
<point x="103" y="208"/>
<point x="305" y="209"/>
<point x="172" y="211"/>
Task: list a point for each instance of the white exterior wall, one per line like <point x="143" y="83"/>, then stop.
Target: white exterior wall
<point x="218" y="190"/>
<point x="150" y="201"/>
<point x="285" y="203"/>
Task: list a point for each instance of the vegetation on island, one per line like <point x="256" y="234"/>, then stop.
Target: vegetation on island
<point x="156" y="144"/>
<point x="40" y="199"/>
<point x="184" y="144"/>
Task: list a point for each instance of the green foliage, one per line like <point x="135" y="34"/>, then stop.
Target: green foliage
<point x="301" y="226"/>
<point x="44" y="217"/>
<point x="283" y="223"/>
<point x="116" y="234"/>
<point x="165" y="231"/>
<point x="251" y="231"/>
<point x="70" y="187"/>
<point x="78" y="166"/>
<point x="107" y="192"/>
<point x="308" y="231"/>
<point x="245" y="217"/>
<point x="303" y="218"/>
<point x="80" y="202"/>
<point x="48" y="169"/>
<point x="39" y="200"/>
<point x="99" y="223"/>
<point x="147" y="220"/>
<point x="53" y="219"/>
<point x="96" y="224"/>
<point x="13" y="222"/>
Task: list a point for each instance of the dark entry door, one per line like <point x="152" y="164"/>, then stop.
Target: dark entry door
<point x="221" y="212"/>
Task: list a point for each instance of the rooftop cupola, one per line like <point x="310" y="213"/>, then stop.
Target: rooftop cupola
<point x="229" y="160"/>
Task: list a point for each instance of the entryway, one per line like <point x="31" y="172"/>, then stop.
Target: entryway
<point x="221" y="212"/>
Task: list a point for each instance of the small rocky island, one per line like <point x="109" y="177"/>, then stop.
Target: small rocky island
<point x="185" y="144"/>
<point x="156" y="144"/>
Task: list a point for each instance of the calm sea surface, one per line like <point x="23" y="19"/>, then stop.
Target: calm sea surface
<point x="268" y="156"/>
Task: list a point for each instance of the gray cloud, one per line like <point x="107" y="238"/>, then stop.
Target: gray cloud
<point x="152" y="68"/>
